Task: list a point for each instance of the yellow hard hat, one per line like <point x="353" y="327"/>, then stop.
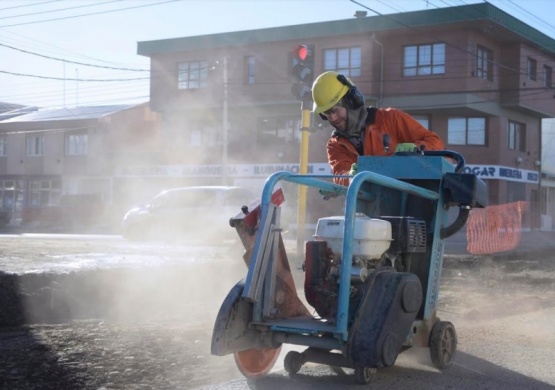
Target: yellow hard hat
<point x="327" y="91"/>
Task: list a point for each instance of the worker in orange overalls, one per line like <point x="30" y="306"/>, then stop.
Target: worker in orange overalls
<point x="360" y="130"/>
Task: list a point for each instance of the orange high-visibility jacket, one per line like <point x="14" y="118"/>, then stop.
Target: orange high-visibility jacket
<point x="401" y="127"/>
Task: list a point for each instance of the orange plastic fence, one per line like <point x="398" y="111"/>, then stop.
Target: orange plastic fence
<point x="495" y="228"/>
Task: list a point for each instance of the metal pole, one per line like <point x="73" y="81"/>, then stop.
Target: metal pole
<point x="225" y="129"/>
<point x="303" y="170"/>
<point x="381" y="69"/>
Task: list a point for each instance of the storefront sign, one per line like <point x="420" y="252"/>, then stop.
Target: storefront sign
<point x="265" y="170"/>
<point x="502" y="173"/>
<point x="235" y="170"/>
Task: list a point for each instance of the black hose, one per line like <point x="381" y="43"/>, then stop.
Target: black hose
<point x="457" y="225"/>
<point x="448" y="153"/>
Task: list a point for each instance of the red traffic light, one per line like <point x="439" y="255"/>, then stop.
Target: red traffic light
<point x="302" y="71"/>
<point x="301" y="52"/>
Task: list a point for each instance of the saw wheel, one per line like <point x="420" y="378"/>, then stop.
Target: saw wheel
<point x="255" y="363"/>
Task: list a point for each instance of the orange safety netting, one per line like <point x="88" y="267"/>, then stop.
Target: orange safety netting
<point x="495" y="228"/>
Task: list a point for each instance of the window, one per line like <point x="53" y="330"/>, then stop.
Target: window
<point x="547" y="76"/>
<point x="35" y="145"/>
<point x="44" y="192"/>
<point x="517" y="136"/>
<point x="11" y="194"/>
<point x="424" y="120"/>
<point x="76" y="144"/>
<point x="192" y="75"/>
<point x="206" y="135"/>
<point x="346" y="61"/>
<point x="249" y="69"/>
<point x="279" y="130"/>
<point x="3" y="146"/>
<point x="466" y="131"/>
<point x="531" y="70"/>
<point x="424" y="60"/>
<point x="484" y="63"/>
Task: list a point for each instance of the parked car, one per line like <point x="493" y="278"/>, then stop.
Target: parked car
<point x="200" y="213"/>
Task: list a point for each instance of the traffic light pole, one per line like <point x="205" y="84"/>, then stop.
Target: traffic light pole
<point x="302" y="73"/>
<point x="303" y="170"/>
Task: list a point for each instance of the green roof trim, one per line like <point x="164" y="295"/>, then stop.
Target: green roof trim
<point x="438" y="16"/>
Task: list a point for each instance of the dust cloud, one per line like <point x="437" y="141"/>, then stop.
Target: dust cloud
<point x="480" y="289"/>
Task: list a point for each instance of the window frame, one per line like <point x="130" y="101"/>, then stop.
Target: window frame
<point x="3" y="145"/>
<point x="250" y="69"/>
<point x="344" y="60"/>
<point x="516" y="136"/>
<point x="79" y="148"/>
<point x="424" y="120"/>
<point x="484" y="63"/>
<point x="547" y="76"/>
<point x="468" y="132"/>
<point x="197" y="76"/>
<point x="34" y="145"/>
<point x="532" y="69"/>
<point x="422" y="66"/>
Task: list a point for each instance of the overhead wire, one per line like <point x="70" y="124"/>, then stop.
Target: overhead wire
<point x="59" y="9"/>
<point x="100" y="80"/>
<point x="73" y="62"/>
<point x="30" y="5"/>
<point x="44" y="46"/>
<point x="89" y="14"/>
<point x="70" y="78"/>
<point x="121" y="79"/>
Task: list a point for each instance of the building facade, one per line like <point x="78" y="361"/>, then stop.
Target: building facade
<point x="47" y="154"/>
<point x="478" y="77"/>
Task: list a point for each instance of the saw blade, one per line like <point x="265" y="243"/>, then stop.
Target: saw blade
<point x="253" y="363"/>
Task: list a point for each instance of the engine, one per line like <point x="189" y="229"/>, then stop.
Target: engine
<point x="377" y="242"/>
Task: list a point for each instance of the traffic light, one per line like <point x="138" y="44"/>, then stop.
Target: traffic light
<point x="302" y="72"/>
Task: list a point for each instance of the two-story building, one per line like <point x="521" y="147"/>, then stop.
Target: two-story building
<point x="474" y="74"/>
<point x="46" y="154"/>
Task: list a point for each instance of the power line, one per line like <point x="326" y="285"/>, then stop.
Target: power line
<point x="56" y="50"/>
<point x="545" y="23"/>
<point x="73" y="62"/>
<point x="29" y="5"/>
<point x="69" y="79"/>
<point x="59" y="9"/>
<point x="89" y="14"/>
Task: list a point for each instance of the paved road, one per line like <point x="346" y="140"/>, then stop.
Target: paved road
<point x="504" y="318"/>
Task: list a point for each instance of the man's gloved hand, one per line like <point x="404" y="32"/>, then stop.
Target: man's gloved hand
<point x="353" y="170"/>
<point x="406" y="147"/>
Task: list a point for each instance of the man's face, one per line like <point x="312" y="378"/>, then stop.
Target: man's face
<point x="337" y="116"/>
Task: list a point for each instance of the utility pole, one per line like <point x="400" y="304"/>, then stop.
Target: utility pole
<point x="225" y="127"/>
<point x="64" y="89"/>
<point x="302" y="71"/>
<point x="76" y="87"/>
<point x="303" y="170"/>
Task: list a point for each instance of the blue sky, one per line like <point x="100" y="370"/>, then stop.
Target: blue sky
<point x="110" y="39"/>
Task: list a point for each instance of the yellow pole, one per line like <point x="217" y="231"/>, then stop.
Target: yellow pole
<point x="303" y="170"/>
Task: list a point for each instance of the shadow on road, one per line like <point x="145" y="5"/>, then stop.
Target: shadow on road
<point x="468" y="372"/>
<point x="26" y="362"/>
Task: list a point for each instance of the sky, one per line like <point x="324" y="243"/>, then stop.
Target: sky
<point x="51" y="51"/>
